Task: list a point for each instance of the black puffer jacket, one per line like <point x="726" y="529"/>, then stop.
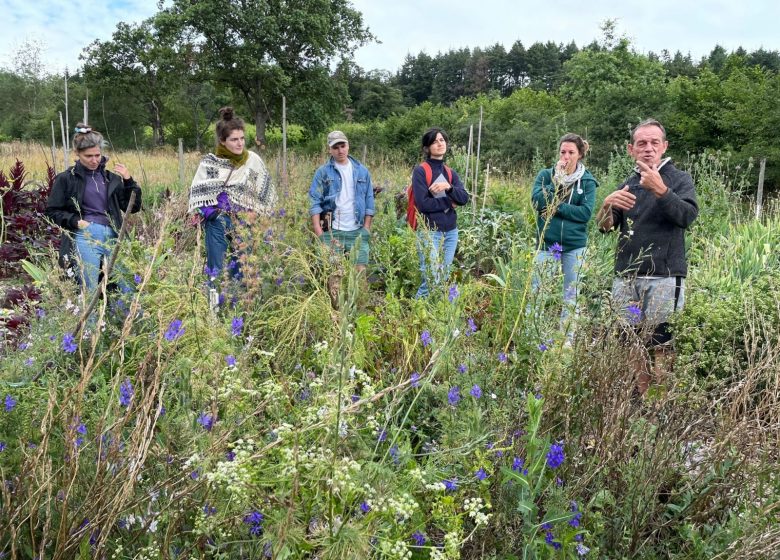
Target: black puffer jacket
<point x="67" y="193"/>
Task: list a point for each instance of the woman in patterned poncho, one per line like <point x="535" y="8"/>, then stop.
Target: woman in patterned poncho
<point x="230" y="181"/>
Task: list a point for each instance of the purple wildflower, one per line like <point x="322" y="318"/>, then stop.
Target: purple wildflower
<point x="418" y="538"/>
<point x="255" y="521"/>
<point x="364" y="507"/>
<point x="394" y="454"/>
<point x="175" y="330"/>
<point x="582" y="550"/>
<point x="481" y="475"/>
<point x="517" y="464"/>
<point x="450" y="485"/>
<point x="137" y="278"/>
<point x="2" y="446"/>
<point x="415" y="379"/>
<point x="209" y="510"/>
<point x="556" y="249"/>
<point x="10" y="403"/>
<point x="502" y="357"/>
<point x="453" y="395"/>
<point x="543" y="346"/>
<point x="40" y="313"/>
<point x="476" y="391"/>
<point x="453" y="293"/>
<point x="194" y="475"/>
<point x="634" y="313"/>
<point x="426" y="339"/>
<point x="236" y="326"/>
<point x="462" y="368"/>
<point x="206" y="420"/>
<point x="230" y="456"/>
<point x="68" y="343"/>
<point x="282" y="212"/>
<point x="555" y="456"/>
<point x="29" y="361"/>
<point x="125" y="393"/>
<point x="230" y="360"/>
<point x="471" y="327"/>
<point x="279" y="281"/>
<point x="382" y="436"/>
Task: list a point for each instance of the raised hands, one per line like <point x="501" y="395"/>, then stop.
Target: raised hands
<point x="650" y="179"/>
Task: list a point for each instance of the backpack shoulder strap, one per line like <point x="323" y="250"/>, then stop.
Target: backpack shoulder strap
<point x="428" y="172"/>
<point x="449" y="174"/>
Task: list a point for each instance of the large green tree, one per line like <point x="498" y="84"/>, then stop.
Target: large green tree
<point x="268" y="48"/>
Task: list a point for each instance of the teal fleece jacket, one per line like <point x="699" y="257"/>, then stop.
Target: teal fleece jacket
<point x="569" y="225"/>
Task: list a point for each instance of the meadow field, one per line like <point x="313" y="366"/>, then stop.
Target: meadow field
<point x="459" y="427"/>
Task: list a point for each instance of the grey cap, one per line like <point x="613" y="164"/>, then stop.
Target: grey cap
<point x="335" y="137"/>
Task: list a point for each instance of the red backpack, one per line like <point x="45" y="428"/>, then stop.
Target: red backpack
<point x="411" y="207"/>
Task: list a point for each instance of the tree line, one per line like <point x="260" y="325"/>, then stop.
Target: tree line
<point x="163" y="78"/>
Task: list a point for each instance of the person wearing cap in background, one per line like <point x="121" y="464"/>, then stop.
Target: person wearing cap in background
<point x="342" y="201"/>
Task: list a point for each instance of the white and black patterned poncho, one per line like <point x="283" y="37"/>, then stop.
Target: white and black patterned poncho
<point x="249" y="186"/>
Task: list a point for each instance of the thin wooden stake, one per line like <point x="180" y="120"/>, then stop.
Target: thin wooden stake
<point x="67" y="121"/>
<point x="485" y="192"/>
<point x="64" y="143"/>
<point x="284" y="143"/>
<point x="86" y="112"/>
<point x="468" y="159"/>
<point x="760" y="193"/>
<point x="476" y="165"/>
<point x="53" y="149"/>
<point x="181" y="162"/>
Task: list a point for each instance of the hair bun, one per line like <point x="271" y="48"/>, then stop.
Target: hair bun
<point x="226" y="113"/>
<point x="587" y="146"/>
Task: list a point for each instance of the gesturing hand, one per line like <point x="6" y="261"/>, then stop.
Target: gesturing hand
<point x="621" y="199"/>
<point x="120" y="169"/>
<point x="650" y="179"/>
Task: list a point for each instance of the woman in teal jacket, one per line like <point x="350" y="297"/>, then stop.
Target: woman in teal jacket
<point x="563" y="197"/>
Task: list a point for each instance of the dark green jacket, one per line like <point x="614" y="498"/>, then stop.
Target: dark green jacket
<point x="569" y="225"/>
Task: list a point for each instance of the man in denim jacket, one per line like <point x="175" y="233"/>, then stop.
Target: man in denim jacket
<point x="342" y="201"/>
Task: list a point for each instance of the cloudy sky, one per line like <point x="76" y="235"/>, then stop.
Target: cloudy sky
<point x="65" y="27"/>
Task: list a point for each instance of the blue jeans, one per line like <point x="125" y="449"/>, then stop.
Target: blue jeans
<point x="437" y="251"/>
<point x="546" y="269"/>
<point x="93" y="244"/>
<point x="219" y="230"/>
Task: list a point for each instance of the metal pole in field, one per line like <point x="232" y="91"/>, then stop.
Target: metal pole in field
<point x="181" y="162"/>
<point x="64" y="143"/>
<point x="760" y="193"/>
<point x="67" y="122"/>
<point x="476" y="165"/>
<point x="284" y="142"/>
<point x="53" y="149"/>
<point x="86" y="112"/>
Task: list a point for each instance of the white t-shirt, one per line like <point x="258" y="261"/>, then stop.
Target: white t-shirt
<point x="344" y="215"/>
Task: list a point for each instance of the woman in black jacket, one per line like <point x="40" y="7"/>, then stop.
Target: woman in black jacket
<point x="87" y="201"/>
<point x="437" y="191"/>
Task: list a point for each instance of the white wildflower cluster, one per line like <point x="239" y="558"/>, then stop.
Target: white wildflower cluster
<point x="343" y="480"/>
<point x="283" y="430"/>
<point x="436" y="487"/>
<point x="321" y="346"/>
<point x="235" y="476"/>
<point x="402" y="508"/>
<point x="191" y="462"/>
<point x="473" y="507"/>
<point x="372" y="423"/>
<point x="231" y="385"/>
<point x="396" y="549"/>
<point x="270" y="389"/>
<point x="150" y="552"/>
<point x="361" y="378"/>
<point x="416" y="475"/>
<point x="452" y="545"/>
<point x="307" y="460"/>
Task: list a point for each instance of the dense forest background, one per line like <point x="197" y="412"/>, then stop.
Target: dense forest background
<point x="164" y="78"/>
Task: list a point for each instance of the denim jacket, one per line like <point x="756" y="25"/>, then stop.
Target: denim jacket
<point x="326" y="185"/>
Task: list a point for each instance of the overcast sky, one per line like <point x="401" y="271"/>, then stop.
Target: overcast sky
<point x="410" y="26"/>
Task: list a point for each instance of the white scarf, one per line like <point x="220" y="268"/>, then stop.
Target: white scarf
<point x="566" y="181"/>
<point x="248" y="187"/>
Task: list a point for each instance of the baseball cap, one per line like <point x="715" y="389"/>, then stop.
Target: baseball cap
<point x="335" y="137"/>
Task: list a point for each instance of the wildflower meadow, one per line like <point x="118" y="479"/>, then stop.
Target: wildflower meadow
<point x="288" y="421"/>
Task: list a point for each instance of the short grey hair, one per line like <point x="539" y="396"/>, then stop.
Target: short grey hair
<point x="648" y="122"/>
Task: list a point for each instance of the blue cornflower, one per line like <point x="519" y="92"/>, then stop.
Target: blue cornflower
<point x="517" y="464"/>
<point x="556" y="249"/>
<point x="634" y="313"/>
<point x="2" y="446"/>
<point x="462" y="368"/>
<point x="382" y="436"/>
<point x="175" y="330"/>
<point x="555" y="456"/>
<point x="206" y="420"/>
<point x="426" y="339"/>
<point x="236" y="326"/>
<point x="544" y="346"/>
<point x="415" y="379"/>
<point x="230" y="360"/>
<point x="476" y="391"/>
<point x="279" y="281"/>
<point x="481" y="475"/>
<point x="354" y="398"/>
<point x="137" y="278"/>
<point x="40" y="313"/>
<point x="575" y="521"/>
<point x="453" y="293"/>
<point x="546" y="526"/>
<point x="282" y="212"/>
<point x="195" y="475"/>
<point x="450" y="485"/>
<point x="502" y="357"/>
<point x="10" y="403"/>
<point x="453" y="395"/>
<point x="418" y="538"/>
<point x="471" y="326"/>
<point x="230" y="456"/>
<point x="209" y="510"/>
<point x="69" y="343"/>
<point x="29" y="361"/>
<point x="394" y="454"/>
<point x="364" y="507"/>
<point x="125" y="393"/>
<point x="255" y="521"/>
<point x="582" y="550"/>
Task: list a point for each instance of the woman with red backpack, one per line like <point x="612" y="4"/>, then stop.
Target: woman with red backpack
<point x="437" y="190"/>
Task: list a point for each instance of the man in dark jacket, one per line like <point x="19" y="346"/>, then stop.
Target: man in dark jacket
<point x="651" y="210"/>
